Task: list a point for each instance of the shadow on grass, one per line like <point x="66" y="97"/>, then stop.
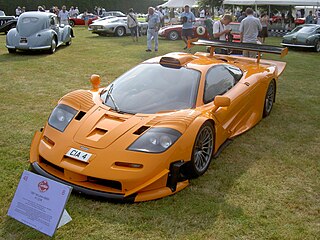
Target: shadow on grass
<point x="182" y="215"/>
<point x="21" y="55"/>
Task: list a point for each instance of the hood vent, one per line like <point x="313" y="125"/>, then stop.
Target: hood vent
<point x="141" y="130"/>
<point x="80" y="115"/>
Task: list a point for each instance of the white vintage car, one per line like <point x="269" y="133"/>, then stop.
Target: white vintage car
<point x="38" y="31"/>
<point x="116" y="26"/>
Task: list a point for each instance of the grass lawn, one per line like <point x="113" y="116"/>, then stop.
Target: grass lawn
<point x="265" y="185"/>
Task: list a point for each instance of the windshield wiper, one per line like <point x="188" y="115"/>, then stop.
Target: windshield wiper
<point x="109" y="95"/>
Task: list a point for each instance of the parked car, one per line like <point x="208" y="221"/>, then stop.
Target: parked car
<point x="7" y="22"/>
<point x="79" y="20"/>
<point x="173" y="32"/>
<point x="116" y="26"/>
<point x="38" y="31"/>
<point x="114" y="13"/>
<point x="157" y="126"/>
<point x="303" y="36"/>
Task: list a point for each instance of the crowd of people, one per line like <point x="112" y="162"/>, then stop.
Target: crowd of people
<point x="253" y="26"/>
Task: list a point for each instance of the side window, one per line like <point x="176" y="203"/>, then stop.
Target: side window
<point x="52" y="22"/>
<point x="219" y="80"/>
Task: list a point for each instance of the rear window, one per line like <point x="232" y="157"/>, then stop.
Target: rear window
<point x="30" y="20"/>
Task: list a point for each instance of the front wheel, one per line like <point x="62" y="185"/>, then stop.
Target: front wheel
<point x="317" y="46"/>
<point x="120" y="31"/>
<point x="71" y="23"/>
<point x="202" y="151"/>
<point x="173" y="35"/>
<point x="269" y="99"/>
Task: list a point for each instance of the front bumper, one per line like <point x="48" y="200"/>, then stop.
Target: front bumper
<point x="175" y="181"/>
<point x="85" y="191"/>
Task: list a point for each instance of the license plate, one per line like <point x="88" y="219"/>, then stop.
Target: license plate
<point x="23" y="41"/>
<point x="79" y="155"/>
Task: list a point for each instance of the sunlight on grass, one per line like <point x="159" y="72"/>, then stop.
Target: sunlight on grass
<point x="265" y="185"/>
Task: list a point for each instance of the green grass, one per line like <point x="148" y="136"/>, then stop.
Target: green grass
<point x="265" y="185"/>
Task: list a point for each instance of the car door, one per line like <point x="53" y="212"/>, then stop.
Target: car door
<point x="224" y="80"/>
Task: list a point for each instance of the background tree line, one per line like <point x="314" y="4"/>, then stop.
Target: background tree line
<point x="141" y="6"/>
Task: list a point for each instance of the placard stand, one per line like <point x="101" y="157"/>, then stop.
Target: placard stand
<point x="39" y="202"/>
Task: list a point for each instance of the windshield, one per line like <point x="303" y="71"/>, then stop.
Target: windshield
<point x="2" y="13"/>
<point x="305" y="29"/>
<point x="152" y="88"/>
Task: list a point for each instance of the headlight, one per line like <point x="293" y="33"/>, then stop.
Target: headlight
<point x="61" y="116"/>
<point x="156" y="140"/>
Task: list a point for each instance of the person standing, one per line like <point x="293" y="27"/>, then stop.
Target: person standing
<point x="264" y="19"/>
<point x="187" y="19"/>
<point x="318" y="16"/>
<point x="132" y="23"/>
<point x="309" y="18"/>
<point x="18" y="11"/>
<point x="249" y="30"/>
<point x="243" y="16"/>
<point x="64" y="16"/>
<point x="153" y="20"/>
<point x="219" y="27"/>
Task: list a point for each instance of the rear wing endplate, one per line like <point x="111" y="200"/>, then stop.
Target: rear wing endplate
<point x="282" y="51"/>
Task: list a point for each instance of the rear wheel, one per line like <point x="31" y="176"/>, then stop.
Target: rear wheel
<point x="12" y="50"/>
<point x="120" y="31"/>
<point x="69" y="43"/>
<point x="53" y="46"/>
<point x="173" y="35"/>
<point x="202" y="151"/>
<point x="269" y="99"/>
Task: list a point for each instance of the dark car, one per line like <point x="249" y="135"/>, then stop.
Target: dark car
<point x="7" y="22"/>
<point x="303" y="36"/>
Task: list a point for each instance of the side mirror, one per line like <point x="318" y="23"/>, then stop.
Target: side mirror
<point x="221" y="101"/>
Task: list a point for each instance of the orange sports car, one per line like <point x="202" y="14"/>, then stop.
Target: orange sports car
<point x="158" y="125"/>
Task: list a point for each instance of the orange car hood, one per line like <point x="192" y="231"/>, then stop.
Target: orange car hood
<point x="102" y="128"/>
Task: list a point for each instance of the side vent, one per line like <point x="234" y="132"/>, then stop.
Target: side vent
<point x="141" y="130"/>
<point x="80" y="115"/>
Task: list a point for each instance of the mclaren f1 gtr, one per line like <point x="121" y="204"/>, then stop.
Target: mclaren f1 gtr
<point x="157" y="126"/>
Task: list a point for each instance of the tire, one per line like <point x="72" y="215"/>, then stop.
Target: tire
<point x="71" y="23"/>
<point x="202" y="151"/>
<point x="317" y="46"/>
<point x="69" y="43"/>
<point x="120" y="31"/>
<point x="173" y="35"/>
<point x="269" y="98"/>
<point x="10" y="50"/>
<point x="53" y="46"/>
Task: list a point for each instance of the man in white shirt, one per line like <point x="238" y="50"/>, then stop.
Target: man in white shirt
<point x="64" y="16"/>
<point x="249" y="30"/>
<point x="219" y="27"/>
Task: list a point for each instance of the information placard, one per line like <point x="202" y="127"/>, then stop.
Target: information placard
<point x="39" y="202"/>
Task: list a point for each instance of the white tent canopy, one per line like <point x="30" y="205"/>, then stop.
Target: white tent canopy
<point x="179" y="3"/>
<point x="274" y="2"/>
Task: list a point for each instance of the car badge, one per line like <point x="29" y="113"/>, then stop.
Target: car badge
<point x="84" y="148"/>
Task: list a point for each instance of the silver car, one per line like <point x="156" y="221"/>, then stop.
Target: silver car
<point x="117" y="26"/>
<point x="38" y="31"/>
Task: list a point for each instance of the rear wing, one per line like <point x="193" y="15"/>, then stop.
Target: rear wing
<point x="282" y="51"/>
